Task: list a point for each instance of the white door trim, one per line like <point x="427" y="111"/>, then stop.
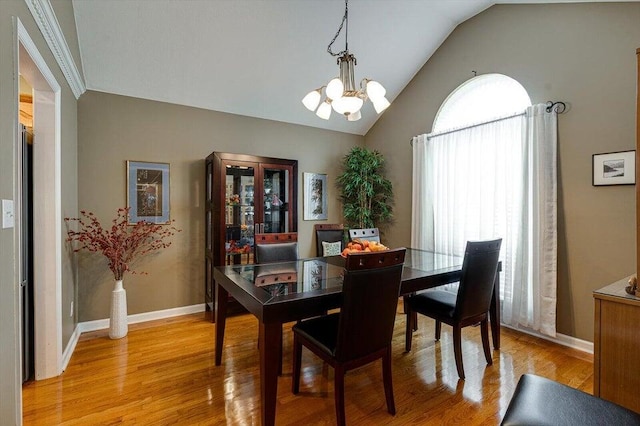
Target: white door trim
<point x="48" y="241"/>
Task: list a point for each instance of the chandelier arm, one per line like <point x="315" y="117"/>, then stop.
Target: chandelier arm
<point x="345" y="18"/>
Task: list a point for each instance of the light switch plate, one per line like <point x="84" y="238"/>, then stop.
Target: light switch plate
<point x="7" y="214"/>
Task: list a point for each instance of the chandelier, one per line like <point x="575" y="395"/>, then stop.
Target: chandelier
<point x="341" y="93"/>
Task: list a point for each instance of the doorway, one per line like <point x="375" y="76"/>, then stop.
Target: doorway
<point x="26" y="229"/>
<point x="44" y="190"/>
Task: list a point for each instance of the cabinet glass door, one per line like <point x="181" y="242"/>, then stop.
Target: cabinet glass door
<point x="276" y="202"/>
<point x="239" y="213"/>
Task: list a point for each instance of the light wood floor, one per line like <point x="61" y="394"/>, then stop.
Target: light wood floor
<point x="163" y="373"/>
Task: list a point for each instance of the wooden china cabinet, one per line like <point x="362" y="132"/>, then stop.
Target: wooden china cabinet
<point x="245" y="195"/>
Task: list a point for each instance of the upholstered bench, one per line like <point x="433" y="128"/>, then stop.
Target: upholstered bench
<point x="539" y="401"/>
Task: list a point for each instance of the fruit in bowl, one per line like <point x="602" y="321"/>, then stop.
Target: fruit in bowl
<point x="363" y="246"/>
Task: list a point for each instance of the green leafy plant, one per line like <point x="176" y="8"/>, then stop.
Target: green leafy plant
<point x="367" y="196"/>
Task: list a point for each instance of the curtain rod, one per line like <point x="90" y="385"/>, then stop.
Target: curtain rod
<point x="558" y="107"/>
<point x="471" y="126"/>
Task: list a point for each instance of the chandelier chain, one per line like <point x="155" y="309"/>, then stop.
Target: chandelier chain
<point x="345" y="18"/>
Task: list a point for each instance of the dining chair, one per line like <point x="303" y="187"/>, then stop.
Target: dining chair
<point x="277" y="247"/>
<point x="469" y="306"/>
<point x="361" y="332"/>
<point x="329" y="239"/>
<point x="371" y="234"/>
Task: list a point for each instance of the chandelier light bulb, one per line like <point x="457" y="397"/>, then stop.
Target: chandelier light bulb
<point x="312" y="99"/>
<point x="347" y="105"/>
<point x="334" y="89"/>
<point x="324" y="110"/>
<point x="375" y="90"/>
<point x="380" y="104"/>
<point x="354" y="116"/>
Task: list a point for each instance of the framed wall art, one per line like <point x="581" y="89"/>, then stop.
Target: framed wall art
<point x="148" y="192"/>
<point x="315" y="196"/>
<point x="614" y="168"/>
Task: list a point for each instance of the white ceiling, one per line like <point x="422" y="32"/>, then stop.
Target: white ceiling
<point x="259" y="57"/>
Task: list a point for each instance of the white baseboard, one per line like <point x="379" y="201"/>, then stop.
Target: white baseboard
<point x="561" y="339"/>
<point x="71" y="346"/>
<point x="101" y="324"/>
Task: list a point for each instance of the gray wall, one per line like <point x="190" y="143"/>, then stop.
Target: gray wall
<point x="113" y="129"/>
<point x="583" y="54"/>
<point x="9" y="363"/>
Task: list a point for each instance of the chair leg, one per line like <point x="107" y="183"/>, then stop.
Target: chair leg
<point x="339" y="395"/>
<point x="484" y="331"/>
<point x="457" y="349"/>
<point x="387" y="378"/>
<point x="409" y="330"/>
<point x="438" y="329"/>
<point x="297" y="360"/>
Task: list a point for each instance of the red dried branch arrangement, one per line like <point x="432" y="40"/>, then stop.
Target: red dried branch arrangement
<point x="122" y="244"/>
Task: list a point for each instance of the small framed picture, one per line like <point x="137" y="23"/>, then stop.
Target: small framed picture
<point x="614" y="168"/>
<point x="148" y="192"/>
<point x="315" y="196"/>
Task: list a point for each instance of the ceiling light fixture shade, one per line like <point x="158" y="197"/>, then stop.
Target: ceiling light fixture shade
<point x="324" y="110"/>
<point x="334" y="89"/>
<point x="375" y="90"/>
<point x="354" y="116"/>
<point x="312" y="99"/>
<point x="347" y="104"/>
<point x="380" y="104"/>
<point x="341" y="93"/>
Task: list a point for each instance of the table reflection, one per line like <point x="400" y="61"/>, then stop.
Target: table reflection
<point x="308" y="275"/>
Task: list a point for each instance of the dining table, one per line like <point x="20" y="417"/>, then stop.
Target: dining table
<point x="278" y="293"/>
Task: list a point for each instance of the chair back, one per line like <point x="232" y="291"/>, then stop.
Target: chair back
<point x="369" y="301"/>
<point x="371" y="234"/>
<point x="328" y="233"/>
<point x="271" y="248"/>
<point x="479" y="269"/>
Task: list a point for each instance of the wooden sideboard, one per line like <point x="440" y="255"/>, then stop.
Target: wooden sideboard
<point x="616" y="344"/>
<point x="616" y="355"/>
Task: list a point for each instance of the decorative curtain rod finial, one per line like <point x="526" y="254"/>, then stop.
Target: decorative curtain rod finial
<point x="558" y="107"/>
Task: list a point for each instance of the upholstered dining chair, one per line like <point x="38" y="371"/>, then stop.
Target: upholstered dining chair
<point x="371" y="234"/>
<point x="361" y="332"/>
<point x="280" y="247"/>
<point x="468" y="307"/>
<point x="329" y="239"/>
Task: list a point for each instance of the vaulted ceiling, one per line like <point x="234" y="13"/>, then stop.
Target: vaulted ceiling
<point x="259" y="57"/>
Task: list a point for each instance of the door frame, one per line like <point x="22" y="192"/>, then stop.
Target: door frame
<point x="47" y="220"/>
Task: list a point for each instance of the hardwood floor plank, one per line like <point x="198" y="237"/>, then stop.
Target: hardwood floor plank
<point x="164" y="373"/>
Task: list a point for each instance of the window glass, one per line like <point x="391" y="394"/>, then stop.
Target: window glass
<point x="481" y="99"/>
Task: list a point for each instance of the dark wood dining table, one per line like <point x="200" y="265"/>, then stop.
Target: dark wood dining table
<point x="283" y="292"/>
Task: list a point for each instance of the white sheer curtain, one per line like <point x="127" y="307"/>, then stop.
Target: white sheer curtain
<point x="484" y="182"/>
<point x="534" y="305"/>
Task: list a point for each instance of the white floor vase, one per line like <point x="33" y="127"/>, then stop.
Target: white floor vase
<point x="118" y="326"/>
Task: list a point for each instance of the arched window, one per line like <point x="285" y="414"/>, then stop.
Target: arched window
<point x="481" y="99"/>
<point x="480" y="175"/>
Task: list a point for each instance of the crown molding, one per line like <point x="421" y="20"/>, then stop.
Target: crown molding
<point x="48" y="23"/>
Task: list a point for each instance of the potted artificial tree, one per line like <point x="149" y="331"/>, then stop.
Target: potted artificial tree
<point x="367" y="196"/>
